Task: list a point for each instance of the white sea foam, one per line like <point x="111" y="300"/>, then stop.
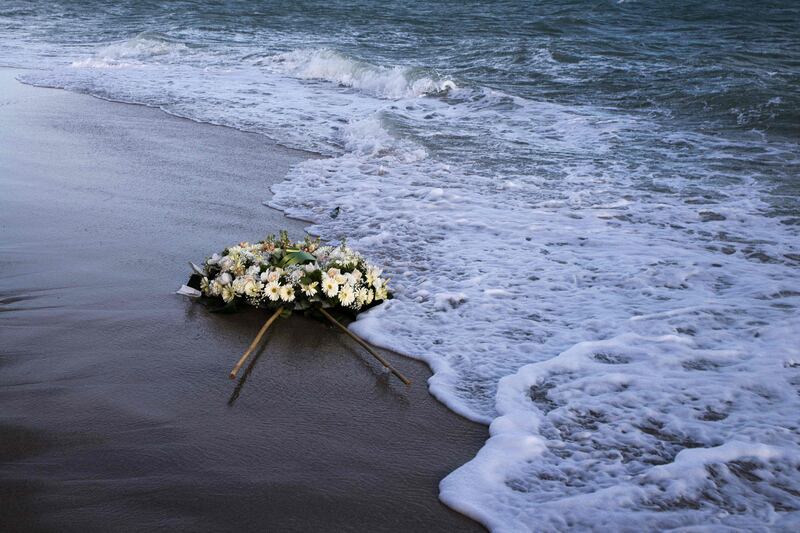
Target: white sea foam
<point x="618" y="308"/>
<point x="135" y="52"/>
<point x="328" y="65"/>
<point x="674" y="322"/>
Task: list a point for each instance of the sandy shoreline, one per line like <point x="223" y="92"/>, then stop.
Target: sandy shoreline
<point x="117" y="412"/>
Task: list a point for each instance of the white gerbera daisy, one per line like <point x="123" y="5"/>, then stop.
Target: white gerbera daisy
<point x="287" y="293"/>
<point x="273" y="291"/>
<point x="346" y="294"/>
<point x="329" y="286"/>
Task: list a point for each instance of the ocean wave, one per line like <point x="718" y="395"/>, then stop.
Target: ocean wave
<point x="135" y="52"/>
<point x="385" y="82"/>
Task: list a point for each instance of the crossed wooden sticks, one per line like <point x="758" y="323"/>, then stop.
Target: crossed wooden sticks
<point x="333" y="321"/>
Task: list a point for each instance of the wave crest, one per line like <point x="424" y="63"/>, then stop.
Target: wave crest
<point x="384" y="82"/>
<point x="133" y="52"/>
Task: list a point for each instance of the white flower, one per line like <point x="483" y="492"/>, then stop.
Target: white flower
<point x="228" y="294"/>
<point x="225" y="263"/>
<point x="373" y="274"/>
<point x="253" y="271"/>
<point x="205" y="286"/>
<point x="310" y="267"/>
<point x="361" y="296"/>
<point x="225" y="278"/>
<point x="346" y="294"/>
<point x="296" y="275"/>
<point x="214" y="259"/>
<point x="310" y="289"/>
<point x="238" y="285"/>
<point x="238" y="267"/>
<point x="329" y="286"/>
<point x="273" y="291"/>
<point x="264" y="277"/>
<point x="253" y="288"/>
<point x="381" y="294"/>
<point x="287" y="293"/>
<point x="356" y="274"/>
<point x="370" y="296"/>
<point x="216" y="288"/>
<point x="274" y="275"/>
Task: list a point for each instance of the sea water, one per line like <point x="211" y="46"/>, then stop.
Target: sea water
<point x="589" y="211"/>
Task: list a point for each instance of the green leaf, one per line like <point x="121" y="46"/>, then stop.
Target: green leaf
<point x="297" y="257"/>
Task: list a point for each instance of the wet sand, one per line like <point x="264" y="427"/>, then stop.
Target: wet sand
<point x="117" y="413"/>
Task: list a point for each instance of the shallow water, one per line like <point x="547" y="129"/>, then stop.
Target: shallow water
<point x="590" y="213"/>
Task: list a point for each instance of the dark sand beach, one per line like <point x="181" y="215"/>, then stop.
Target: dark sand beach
<point x="117" y="412"/>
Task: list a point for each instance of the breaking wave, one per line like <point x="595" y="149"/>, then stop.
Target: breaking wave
<point x="384" y="82"/>
<point x="136" y="52"/>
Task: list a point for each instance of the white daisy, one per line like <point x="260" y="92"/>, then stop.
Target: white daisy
<point x="329" y="286"/>
<point x="273" y="291"/>
<point x="347" y="295"/>
<point x="287" y="293"/>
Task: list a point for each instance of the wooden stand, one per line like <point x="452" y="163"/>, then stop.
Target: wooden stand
<point x="255" y="342"/>
<point x="366" y="346"/>
<point x="333" y="321"/>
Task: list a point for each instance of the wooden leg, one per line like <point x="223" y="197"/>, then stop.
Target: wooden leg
<point x="255" y="342"/>
<point x="366" y="346"/>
